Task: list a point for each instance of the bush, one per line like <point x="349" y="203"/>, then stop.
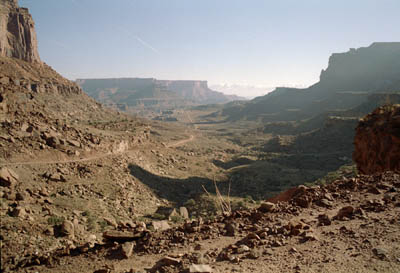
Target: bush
<point x="176" y="218"/>
<point x="103" y="224"/>
<point x="55" y="220"/>
<point x="190" y="203"/>
<point x="158" y="216"/>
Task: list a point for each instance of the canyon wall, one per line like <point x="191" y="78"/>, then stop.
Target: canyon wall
<point x="17" y="32"/>
<point x="349" y="80"/>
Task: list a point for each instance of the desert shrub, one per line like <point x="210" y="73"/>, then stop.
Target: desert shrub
<point x="55" y="220"/>
<point x="102" y="224"/>
<point x="248" y="198"/>
<point x="176" y="218"/>
<point x="239" y="205"/>
<point x="158" y="216"/>
<point x="91" y="220"/>
<point x="190" y="203"/>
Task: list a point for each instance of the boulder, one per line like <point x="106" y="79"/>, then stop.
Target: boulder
<point x="184" y="212"/>
<point x="18" y="212"/>
<point x="345" y="212"/>
<point x="160" y="225"/>
<point x="168" y="261"/>
<point x="267" y="207"/>
<point x="127" y="249"/>
<point x="57" y="177"/>
<point x="74" y="143"/>
<point x="324" y="220"/>
<point x="121" y="236"/>
<point x="200" y="268"/>
<point x="4" y="80"/>
<point x="67" y="228"/>
<point x="168" y="212"/>
<point x="8" y="178"/>
<point x="230" y="229"/>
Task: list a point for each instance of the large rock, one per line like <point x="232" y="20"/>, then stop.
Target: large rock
<point x="68" y="229"/>
<point x="200" y="268"/>
<point x="121" y="236"/>
<point x="184" y="212"/>
<point x="8" y="178"/>
<point x="267" y="207"/>
<point x="17" y="32"/>
<point x="127" y="249"/>
<point x="377" y="141"/>
<point x="160" y="225"/>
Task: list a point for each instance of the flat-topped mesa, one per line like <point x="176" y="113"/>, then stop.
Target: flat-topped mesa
<point x="17" y="32"/>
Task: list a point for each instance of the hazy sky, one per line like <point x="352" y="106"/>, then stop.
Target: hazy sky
<point x="255" y="42"/>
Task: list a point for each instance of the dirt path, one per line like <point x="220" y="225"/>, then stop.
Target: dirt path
<point x="94" y="157"/>
<point x="181" y="142"/>
<point x="90" y="158"/>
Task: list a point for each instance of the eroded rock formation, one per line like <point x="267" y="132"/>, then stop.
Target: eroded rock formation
<point x="17" y="32"/>
<point x="348" y="81"/>
<point x="377" y="141"/>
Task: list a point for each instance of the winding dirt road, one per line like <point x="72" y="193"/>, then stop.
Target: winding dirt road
<point x="181" y="142"/>
<point x="91" y="158"/>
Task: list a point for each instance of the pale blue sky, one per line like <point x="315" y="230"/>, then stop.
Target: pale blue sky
<point x="253" y="42"/>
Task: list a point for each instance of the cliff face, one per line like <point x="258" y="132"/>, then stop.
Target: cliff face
<point x="349" y="80"/>
<point x="17" y="32"/>
<point x="377" y="141"/>
<point x="375" y="68"/>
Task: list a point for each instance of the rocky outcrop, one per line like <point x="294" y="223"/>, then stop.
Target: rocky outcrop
<point x="349" y="80"/>
<point x="377" y="141"/>
<point x="17" y="32"/>
<point x="376" y="67"/>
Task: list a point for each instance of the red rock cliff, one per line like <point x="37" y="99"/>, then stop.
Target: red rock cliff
<point x="17" y="32"/>
<point x="377" y="141"/>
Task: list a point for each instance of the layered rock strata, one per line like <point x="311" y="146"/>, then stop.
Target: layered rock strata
<point x="377" y="141"/>
<point x="17" y="32"/>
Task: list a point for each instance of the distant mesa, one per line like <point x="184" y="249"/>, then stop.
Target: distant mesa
<point x="17" y="32"/>
<point x="149" y="92"/>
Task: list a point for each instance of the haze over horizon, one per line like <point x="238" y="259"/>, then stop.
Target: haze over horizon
<point x="256" y="43"/>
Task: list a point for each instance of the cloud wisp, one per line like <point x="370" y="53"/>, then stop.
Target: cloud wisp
<point x="140" y="40"/>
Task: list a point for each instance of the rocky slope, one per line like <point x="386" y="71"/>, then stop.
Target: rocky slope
<point x="377" y="141"/>
<point x="17" y="32"/>
<point x="349" y="225"/>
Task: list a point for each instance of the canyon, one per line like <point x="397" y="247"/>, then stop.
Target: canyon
<point x="85" y="187"/>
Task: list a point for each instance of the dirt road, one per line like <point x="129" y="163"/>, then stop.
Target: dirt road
<point x="94" y="157"/>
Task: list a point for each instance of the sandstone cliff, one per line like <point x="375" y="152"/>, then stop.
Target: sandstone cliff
<point x="377" y="141"/>
<point x="373" y="68"/>
<point x="349" y="80"/>
<point x="17" y="32"/>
